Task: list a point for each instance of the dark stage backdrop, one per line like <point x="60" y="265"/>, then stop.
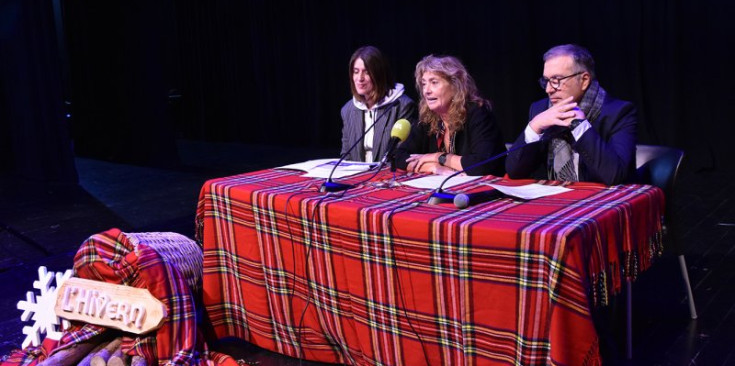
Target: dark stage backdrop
<point x="143" y="73"/>
<point x="34" y="131"/>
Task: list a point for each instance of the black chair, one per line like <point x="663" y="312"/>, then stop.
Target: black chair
<point x="659" y="166"/>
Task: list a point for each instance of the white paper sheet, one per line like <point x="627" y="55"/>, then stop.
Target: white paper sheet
<point x="530" y="191"/>
<point x="433" y="181"/>
<point x="321" y="168"/>
<point x="306" y="165"/>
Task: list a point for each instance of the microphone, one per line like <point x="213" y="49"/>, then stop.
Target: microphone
<point x="464" y="200"/>
<point x="398" y="134"/>
<point x="440" y="196"/>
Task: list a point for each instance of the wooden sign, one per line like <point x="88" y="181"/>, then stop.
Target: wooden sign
<point x="126" y="308"/>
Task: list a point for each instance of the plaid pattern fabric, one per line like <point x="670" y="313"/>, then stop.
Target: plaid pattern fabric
<point x="377" y="277"/>
<point x="110" y="257"/>
<point x="563" y="160"/>
<point x="30" y="356"/>
<point x="560" y="160"/>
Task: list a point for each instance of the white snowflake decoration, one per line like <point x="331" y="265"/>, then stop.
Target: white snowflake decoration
<point x="41" y="309"/>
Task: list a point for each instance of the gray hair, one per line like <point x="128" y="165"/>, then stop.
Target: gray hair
<point x="582" y="58"/>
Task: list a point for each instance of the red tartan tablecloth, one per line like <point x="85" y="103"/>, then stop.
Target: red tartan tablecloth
<point x="378" y="277"/>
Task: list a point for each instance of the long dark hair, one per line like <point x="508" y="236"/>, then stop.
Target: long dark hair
<point x="378" y="68"/>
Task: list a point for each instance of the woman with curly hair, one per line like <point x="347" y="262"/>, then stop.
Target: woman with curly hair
<point x="456" y="128"/>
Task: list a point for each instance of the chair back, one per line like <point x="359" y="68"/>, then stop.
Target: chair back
<point x="658" y="166"/>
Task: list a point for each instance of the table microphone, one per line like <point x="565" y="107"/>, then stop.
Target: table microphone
<point x="397" y="135"/>
<point x="464" y="200"/>
<point x="440" y="196"/>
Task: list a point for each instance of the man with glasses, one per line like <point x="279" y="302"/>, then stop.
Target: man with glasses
<point x="585" y="134"/>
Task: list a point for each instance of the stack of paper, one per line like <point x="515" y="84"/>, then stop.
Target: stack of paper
<point x="530" y="191"/>
<point x="433" y="181"/>
<point x="526" y="192"/>
<point x="322" y="168"/>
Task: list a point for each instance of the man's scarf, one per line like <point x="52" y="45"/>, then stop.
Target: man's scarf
<point x="560" y="164"/>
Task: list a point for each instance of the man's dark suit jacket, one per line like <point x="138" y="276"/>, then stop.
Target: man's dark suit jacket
<point x="606" y="151"/>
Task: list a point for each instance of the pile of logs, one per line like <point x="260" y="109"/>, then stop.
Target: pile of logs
<point x="97" y="351"/>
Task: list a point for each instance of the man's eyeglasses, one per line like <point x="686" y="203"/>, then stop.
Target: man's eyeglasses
<point x="555" y="81"/>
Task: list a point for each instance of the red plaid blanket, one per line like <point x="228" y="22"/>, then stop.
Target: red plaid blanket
<point x="377" y="277"/>
<point x="110" y="257"/>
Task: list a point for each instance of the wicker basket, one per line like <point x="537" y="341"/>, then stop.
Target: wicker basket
<point x="181" y="252"/>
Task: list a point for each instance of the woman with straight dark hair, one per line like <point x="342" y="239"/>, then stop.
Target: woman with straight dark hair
<point x="377" y="103"/>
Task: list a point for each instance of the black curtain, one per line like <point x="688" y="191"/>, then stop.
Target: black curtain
<point x="34" y="130"/>
<point x="276" y="71"/>
<point x="144" y="73"/>
<point x="122" y="66"/>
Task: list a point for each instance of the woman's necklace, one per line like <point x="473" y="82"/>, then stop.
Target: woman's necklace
<point x="448" y="139"/>
<point x="451" y="142"/>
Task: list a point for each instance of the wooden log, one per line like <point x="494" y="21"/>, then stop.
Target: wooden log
<point x="71" y="355"/>
<point x="118" y="358"/>
<point x="100" y="358"/>
<point x="88" y="358"/>
<point x="138" y="361"/>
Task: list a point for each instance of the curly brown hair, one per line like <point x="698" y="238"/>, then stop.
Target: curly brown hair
<point x="465" y="91"/>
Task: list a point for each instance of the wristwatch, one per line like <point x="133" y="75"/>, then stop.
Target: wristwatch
<point x="442" y="159"/>
<point x="575" y="123"/>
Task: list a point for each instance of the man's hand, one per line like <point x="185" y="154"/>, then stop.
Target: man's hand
<point x="560" y="114"/>
<point x="578" y="114"/>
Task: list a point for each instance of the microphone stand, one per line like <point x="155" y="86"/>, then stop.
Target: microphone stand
<point x="393" y="183"/>
<point x="332" y="186"/>
<point x="399" y="133"/>
<point x="439" y="196"/>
